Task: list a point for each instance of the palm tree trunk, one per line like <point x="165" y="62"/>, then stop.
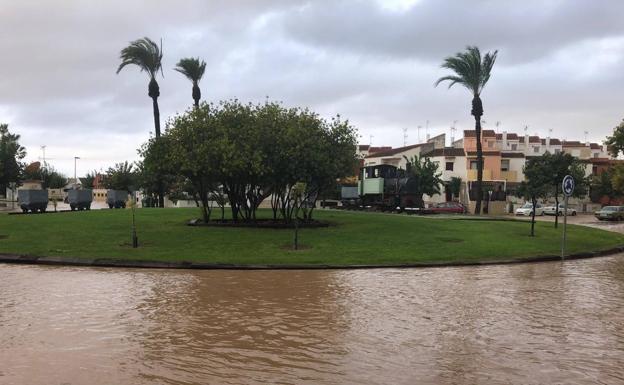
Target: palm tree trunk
<point x="196" y="94"/>
<point x="154" y="93"/>
<point x="477" y="112"/>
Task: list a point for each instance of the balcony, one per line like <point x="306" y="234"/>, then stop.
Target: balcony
<point x="472" y="174"/>
<point x="510" y="176"/>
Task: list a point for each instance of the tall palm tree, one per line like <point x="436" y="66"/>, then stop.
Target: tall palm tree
<point x="473" y="72"/>
<point x="147" y="55"/>
<point x="193" y="69"/>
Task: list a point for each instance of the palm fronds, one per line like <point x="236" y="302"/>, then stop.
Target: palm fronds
<point x="471" y="69"/>
<point x="192" y="68"/>
<point x="145" y="54"/>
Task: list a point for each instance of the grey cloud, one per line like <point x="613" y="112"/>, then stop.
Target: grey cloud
<point x="432" y="29"/>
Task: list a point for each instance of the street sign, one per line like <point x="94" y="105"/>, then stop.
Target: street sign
<point x="568" y="188"/>
<point x="568" y="185"/>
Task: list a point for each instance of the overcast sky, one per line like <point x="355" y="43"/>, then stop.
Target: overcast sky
<point x="374" y="62"/>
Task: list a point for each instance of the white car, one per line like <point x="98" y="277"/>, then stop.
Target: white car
<point x="527" y="209"/>
<point x="550" y="210"/>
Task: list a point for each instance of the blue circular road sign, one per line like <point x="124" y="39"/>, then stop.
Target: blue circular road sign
<point x="568" y="185"/>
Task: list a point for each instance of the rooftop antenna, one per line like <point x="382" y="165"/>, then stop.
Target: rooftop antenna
<point x="405" y="137"/>
<point x="453" y="130"/>
<point x="427" y="129"/>
<point x="585" y="132"/>
<point x="370" y="141"/>
<point x="418" y="131"/>
<point x="498" y="123"/>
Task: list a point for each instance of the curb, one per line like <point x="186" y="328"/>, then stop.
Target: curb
<point x="111" y="262"/>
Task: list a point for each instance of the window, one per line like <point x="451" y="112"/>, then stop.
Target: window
<point x="536" y="149"/>
<point x="449" y="166"/>
<point x="505" y="165"/>
<point x="514" y="147"/>
<point x="473" y="164"/>
<point x="490" y="144"/>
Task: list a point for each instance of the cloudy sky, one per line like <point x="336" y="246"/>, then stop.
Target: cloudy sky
<point x="374" y="62"/>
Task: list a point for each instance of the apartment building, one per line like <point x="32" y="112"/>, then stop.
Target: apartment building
<point x="504" y="157"/>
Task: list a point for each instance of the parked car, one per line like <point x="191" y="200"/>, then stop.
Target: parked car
<point x="612" y="213"/>
<point x="527" y="209"/>
<point x="550" y="210"/>
<point x="445" y="208"/>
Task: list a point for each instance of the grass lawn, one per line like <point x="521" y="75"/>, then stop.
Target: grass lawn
<point x="356" y="238"/>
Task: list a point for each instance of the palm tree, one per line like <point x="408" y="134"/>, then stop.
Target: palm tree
<point x="146" y="54"/>
<point x="473" y="72"/>
<point x="193" y="69"/>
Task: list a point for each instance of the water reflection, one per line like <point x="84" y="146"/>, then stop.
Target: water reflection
<point x="531" y="323"/>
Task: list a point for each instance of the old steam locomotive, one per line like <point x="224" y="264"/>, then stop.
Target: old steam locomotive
<point x="383" y="187"/>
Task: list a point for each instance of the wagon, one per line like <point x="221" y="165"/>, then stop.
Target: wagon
<point x="80" y="199"/>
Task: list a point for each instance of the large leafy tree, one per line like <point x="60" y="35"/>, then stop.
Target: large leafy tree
<point x="424" y="178"/>
<point x="11" y="155"/>
<point x="615" y="142"/>
<point x="147" y="55"/>
<point x="193" y="69"/>
<point x="473" y="72"/>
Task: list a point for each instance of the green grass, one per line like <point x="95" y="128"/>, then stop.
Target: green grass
<point x="356" y="238"/>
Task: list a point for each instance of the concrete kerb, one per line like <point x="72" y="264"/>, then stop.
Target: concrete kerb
<point x="112" y="262"/>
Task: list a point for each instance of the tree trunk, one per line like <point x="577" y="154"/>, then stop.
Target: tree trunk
<point x="556" y="205"/>
<point x="477" y="112"/>
<point x="534" y="201"/>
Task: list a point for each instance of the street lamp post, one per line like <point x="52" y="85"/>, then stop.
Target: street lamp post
<point x="75" y="180"/>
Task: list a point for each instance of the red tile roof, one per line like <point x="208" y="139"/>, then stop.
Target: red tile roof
<point x="393" y="151"/>
<point x="534" y="139"/>
<point x="484" y="134"/>
<point x="572" y="143"/>
<point x="595" y="146"/>
<point x="512" y="155"/>
<point x="446" y="151"/>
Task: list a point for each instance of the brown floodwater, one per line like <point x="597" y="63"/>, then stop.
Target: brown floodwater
<point x="545" y="323"/>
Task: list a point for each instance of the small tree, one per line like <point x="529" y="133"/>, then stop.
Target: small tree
<point x="602" y="185"/>
<point x="89" y="180"/>
<point x="11" y="155"/>
<point x="425" y="178"/>
<point x="536" y="186"/>
<point x="454" y="186"/>
<point x="557" y="166"/>
<point x="615" y="142"/>
<point x="121" y="177"/>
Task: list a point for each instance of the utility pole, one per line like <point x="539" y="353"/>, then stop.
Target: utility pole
<point x="43" y="150"/>
<point x="75" y="180"/>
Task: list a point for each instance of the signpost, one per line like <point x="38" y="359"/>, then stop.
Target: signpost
<point x="567" y="186"/>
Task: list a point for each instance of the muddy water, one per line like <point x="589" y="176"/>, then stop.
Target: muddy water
<point x="531" y="324"/>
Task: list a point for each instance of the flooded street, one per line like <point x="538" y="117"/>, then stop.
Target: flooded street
<point x="530" y="323"/>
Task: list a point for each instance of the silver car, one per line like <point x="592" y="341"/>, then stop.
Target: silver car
<point x="550" y="210"/>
